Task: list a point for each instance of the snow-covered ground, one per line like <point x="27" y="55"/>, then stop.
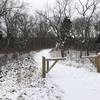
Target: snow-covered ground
<point x="73" y="79"/>
<point x="76" y="80"/>
<point x="21" y="80"/>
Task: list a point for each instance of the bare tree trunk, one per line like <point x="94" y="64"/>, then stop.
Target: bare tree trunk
<point x="81" y="51"/>
<point x="62" y="52"/>
<point x="87" y="51"/>
<point x="68" y="50"/>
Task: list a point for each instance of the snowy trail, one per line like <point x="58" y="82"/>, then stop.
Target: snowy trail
<point x="77" y="83"/>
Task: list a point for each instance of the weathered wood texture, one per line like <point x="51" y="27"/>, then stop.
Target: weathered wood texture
<point x="46" y="65"/>
<point x="43" y="67"/>
<point x="98" y="63"/>
<point x="97" y="60"/>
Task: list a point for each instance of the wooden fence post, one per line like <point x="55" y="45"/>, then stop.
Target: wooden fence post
<point x="43" y="67"/>
<point x="47" y="66"/>
<point x="98" y="63"/>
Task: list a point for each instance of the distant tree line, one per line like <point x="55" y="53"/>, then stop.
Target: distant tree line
<point x="82" y="30"/>
<point x="16" y="45"/>
<point x="20" y="31"/>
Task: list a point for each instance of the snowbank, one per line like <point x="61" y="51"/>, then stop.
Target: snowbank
<point x="21" y="80"/>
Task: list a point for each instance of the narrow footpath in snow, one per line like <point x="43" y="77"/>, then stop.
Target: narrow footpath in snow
<point x="77" y="83"/>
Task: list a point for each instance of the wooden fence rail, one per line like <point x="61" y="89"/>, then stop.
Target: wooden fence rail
<point x="97" y="60"/>
<point x="46" y="66"/>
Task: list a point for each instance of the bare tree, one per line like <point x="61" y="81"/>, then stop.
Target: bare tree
<point x="97" y="23"/>
<point x="56" y="19"/>
<point x="3" y="8"/>
<point x="8" y="18"/>
<point x="87" y="11"/>
<point x="41" y="28"/>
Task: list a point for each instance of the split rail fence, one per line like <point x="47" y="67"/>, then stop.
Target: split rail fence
<point x="46" y="67"/>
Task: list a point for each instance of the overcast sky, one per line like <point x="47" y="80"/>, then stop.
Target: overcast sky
<point x="33" y="5"/>
<point x="39" y="4"/>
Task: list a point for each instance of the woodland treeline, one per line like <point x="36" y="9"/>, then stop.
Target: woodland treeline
<point x="64" y="26"/>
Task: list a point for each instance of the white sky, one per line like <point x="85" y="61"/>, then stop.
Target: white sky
<point x="39" y="4"/>
<point x="33" y="5"/>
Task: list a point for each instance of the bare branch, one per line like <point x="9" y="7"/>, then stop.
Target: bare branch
<point x="86" y="5"/>
<point x="82" y="5"/>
